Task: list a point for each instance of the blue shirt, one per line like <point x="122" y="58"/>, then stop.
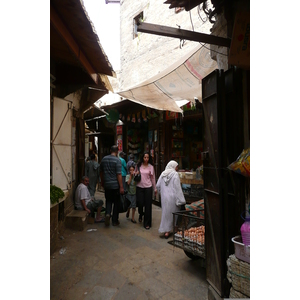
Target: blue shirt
<point x="124" y="166"/>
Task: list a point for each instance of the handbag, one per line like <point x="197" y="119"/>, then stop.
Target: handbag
<point x="124" y="203"/>
<point x="138" y="177"/>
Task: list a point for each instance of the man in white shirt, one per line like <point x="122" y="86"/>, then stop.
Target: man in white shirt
<point x="84" y="201"/>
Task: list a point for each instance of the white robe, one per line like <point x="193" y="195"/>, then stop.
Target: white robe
<point x="169" y="191"/>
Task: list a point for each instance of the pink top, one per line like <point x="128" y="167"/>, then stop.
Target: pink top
<point x="147" y="178"/>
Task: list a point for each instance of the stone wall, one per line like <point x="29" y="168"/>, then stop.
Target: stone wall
<point x="147" y="55"/>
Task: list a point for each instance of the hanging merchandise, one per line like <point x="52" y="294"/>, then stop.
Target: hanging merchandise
<point x="133" y="118"/>
<point x="113" y="116"/>
<point x="152" y="151"/>
<point x="242" y="163"/>
<point x="144" y="115"/>
<point x="139" y="117"/>
<point x="150" y="136"/>
<point x="153" y="113"/>
<point x="128" y="118"/>
<point x="148" y="113"/>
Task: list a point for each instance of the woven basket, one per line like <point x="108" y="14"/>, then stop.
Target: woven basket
<point x="236" y="295"/>
<point x="238" y="275"/>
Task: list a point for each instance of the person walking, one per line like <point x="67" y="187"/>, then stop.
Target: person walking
<point x="93" y="173"/>
<point x="111" y="180"/>
<point x="144" y="189"/>
<point x="131" y="196"/>
<point x="169" y="187"/>
<point x="122" y="156"/>
<point x="130" y="162"/>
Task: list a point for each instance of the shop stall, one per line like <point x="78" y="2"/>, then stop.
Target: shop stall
<point x="184" y="145"/>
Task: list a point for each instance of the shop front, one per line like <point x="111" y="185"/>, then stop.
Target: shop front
<point x="165" y="136"/>
<point x="184" y="145"/>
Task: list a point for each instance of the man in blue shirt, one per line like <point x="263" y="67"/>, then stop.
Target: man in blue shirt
<point x="111" y="180"/>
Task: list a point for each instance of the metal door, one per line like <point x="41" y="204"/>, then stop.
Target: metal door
<point x="63" y="154"/>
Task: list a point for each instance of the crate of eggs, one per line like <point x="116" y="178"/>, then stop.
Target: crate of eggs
<point x="192" y="240"/>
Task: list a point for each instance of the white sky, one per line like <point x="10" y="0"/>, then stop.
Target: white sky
<point x="106" y="21"/>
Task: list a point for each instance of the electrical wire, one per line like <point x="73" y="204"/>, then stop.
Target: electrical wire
<point x="203" y="45"/>
<point x="199" y="13"/>
<point x="191" y="20"/>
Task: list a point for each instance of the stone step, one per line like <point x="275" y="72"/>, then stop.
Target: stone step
<point x="76" y="220"/>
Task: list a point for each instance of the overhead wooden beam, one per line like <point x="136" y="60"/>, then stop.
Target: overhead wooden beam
<point x="72" y="44"/>
<point x="183" y="34"/>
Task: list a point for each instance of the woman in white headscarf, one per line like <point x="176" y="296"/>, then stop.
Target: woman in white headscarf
<point x="169" y="187"/>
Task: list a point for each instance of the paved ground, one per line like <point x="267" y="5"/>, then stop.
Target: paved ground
<point x="125" y="262"/>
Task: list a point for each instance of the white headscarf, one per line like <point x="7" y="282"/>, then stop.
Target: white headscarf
<point x="169" y="171"/>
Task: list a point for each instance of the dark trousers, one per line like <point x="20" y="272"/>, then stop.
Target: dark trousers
<point x="144" y="200"/>
<point x="112" y="197"/>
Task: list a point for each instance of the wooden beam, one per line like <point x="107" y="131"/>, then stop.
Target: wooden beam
<point x="183" y="34"/>
<point x="72" y="44"/>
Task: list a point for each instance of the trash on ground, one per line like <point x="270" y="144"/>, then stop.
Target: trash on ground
<point x="62" y="251"/>
<point x="89" y="230"/>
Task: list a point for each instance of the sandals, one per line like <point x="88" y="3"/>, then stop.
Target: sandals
<point x="133" y="221"/>
<point x="101" y="220"/>
<point x="167" y="235"/>
<point x="147" y="227"/>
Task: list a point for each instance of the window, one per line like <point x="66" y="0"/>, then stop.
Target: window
<point x="136" y="20"/>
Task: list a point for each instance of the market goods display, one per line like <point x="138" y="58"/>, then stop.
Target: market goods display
<point x="196" y="206"/>
<point x="192" y="239"/>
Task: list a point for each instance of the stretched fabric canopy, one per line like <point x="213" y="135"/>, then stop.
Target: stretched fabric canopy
<point x="181" y="81"/>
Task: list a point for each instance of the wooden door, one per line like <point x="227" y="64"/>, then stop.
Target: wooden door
<point x="63" y="144"/>
<point x="223" y="141"/>
<point x="212" y="125"/>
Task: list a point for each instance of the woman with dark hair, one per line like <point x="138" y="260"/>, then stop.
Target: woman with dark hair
<point x="144" y="189"/>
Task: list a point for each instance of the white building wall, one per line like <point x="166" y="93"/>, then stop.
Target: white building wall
<point x="147" y="55"/>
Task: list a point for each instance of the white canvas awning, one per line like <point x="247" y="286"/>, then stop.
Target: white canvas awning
<point x="181" y="81"/>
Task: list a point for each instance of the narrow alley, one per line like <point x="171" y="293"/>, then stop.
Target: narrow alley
<point x="123" y="262"/>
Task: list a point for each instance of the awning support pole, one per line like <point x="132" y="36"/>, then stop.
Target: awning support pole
<point x="183" y="34"/>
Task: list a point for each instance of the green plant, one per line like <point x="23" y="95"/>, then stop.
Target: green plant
<point x="55" y="194"/>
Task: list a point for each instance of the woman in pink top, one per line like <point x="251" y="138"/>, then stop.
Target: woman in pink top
<point x="144" y="189"/>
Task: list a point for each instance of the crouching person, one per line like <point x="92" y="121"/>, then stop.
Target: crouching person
<point x="84" y="201"/>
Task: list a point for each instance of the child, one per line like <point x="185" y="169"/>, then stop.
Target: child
<point x="131" y="192"/>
